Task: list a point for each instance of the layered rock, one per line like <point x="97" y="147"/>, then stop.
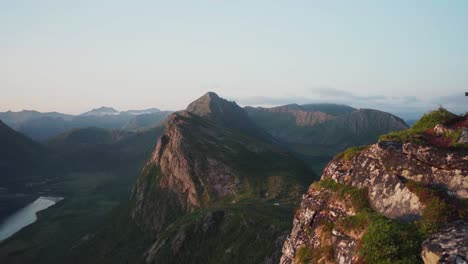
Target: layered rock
<point x="384" y="168"/>
<point x="399" y="180"/>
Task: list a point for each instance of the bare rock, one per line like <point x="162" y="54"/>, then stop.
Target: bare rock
<point x="464" y="136"/>
<point x="440" y="129"/>
<point x="450" y="245"/>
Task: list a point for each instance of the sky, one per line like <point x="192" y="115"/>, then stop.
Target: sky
<point x="70" y="56"/>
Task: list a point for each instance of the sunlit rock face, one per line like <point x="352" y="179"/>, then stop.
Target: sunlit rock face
<point x="384" y="171"/>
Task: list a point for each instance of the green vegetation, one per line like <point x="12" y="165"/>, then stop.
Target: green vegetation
<point x="358" y="222"/>
<point x="388" y="241"/>
<point x="358" y="197"/>
<point x="351" y="152"/>
<point x="304" y="255"/>
<point x="404" y="135"/>
<point x="318" y="143"/>
<point x="436" y="212"/>
<point x="241" y="233"/>
<point x="95" y="179"/>
<point x="384" y="240"/>
<point x="427" y="121"/>
<point x="454" y="136"/>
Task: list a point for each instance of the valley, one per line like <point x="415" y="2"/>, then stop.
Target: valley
<point x="214" y="183"/>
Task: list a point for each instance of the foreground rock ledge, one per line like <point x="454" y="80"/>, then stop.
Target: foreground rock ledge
<point x="450" y="245"/>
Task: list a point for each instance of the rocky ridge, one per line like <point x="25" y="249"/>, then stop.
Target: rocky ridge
<point x="388" y="191"/>
<point x="208" y="172"/>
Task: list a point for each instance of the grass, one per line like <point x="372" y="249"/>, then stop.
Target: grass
<point x="304" y="255"/>
<point x="244" y="234"/>
<point x="427" y="121"/>
<point x="383" y="240"/>
<point x="351" y="152"/>
<point x="357" y="197"/>
<point x="389" y="241"/>
<point x="454" y="136"/>
<point x="436" y="212"/>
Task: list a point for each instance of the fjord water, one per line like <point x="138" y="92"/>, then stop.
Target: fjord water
<point x="25" y="216"/>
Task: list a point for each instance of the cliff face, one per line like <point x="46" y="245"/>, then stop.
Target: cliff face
<point x="384" y="168"/>
<point x="375" y="199"/>
<point x="205" y="181"/>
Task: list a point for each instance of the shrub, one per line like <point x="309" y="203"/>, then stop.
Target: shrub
<point x="454" y="136"/>
<point x="435" y="215"/>
<point x="304" y="255"/>
<point x="388" y="241"/>
<point x="427" y="121"/>
<point x="357" y="222"/>
<point x="357" y="197"/>
<point x="404" y="135"/>
<point x="436" y="212"/>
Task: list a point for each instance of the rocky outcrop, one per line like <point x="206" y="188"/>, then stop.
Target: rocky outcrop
<point x="384" y="168"/>
<point x="189" y="178"/>
<point x="450" y="245"/>
<point x="464" y="136"/>
<point x="318" y="209"/>
<point x="208" y="159"/>
<point x="399" y="180"/>
<point x="440" y="129"/>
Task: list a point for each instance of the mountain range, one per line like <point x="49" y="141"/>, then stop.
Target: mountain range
<point x="43" y="126"/>
<point x="316" y="132"/>
<point x="217" y="183"/>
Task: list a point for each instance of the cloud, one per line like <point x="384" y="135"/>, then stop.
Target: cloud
<point x="457" y="103"/>
<point x="333" y="93"/>
<point x="407" y="107"/>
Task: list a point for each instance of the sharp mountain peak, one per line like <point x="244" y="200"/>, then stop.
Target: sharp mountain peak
<point x="224" y="112"/>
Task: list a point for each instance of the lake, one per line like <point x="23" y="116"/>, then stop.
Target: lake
<point x="25" y="216"/>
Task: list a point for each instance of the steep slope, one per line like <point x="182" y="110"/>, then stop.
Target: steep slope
<point x="211" y="192"/>
<point x="20" y="157"/>
<point x="99" y="169"/>
<point x="318" y="132"/>
<point x="225" y="113"/>
<point x="23" y="166"/>
<point x="91" y="149"/>
<point x="378" y="203"/>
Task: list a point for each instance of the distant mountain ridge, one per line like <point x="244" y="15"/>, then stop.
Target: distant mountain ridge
<point x="226" y="113"/>
<point x="24" y="169"/>
<point x="101" y="111"/>
<point x="319" y="131"/>
<point x="210" y="173"/>
<point x="42" y="126"/>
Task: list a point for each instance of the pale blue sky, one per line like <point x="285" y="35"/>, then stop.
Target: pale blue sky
<point x="71" y="56"/>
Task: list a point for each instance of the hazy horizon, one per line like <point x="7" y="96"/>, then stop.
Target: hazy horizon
<point x="395" y="56"/>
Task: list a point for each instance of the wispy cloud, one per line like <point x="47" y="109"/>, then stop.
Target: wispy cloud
<point x="408" y="107"/>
